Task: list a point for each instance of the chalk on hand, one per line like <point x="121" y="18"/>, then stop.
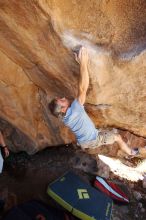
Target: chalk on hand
<point x="76" y="49"/>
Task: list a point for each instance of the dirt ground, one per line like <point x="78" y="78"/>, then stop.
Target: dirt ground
<point x="26" y="177"/>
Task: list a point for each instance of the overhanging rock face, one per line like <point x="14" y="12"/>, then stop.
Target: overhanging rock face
<point x="37" y="63"/>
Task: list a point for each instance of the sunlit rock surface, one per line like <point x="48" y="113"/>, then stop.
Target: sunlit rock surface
<point x="37" y="63"/>
<point x="121" y="170"/>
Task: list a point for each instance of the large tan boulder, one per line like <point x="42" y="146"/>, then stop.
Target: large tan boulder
<point x="37" y="63"/>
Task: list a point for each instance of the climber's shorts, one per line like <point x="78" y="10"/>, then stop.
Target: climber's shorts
<point x="103" y="138"/>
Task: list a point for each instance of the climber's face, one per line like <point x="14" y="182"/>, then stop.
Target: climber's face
<point x="64" y="103"/>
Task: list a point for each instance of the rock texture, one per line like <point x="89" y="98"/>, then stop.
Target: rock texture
<point x="37" y="63"/>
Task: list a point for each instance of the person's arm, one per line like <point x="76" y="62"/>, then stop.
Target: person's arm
<point x="3" y="145"/>
<point x="83" y="84"/>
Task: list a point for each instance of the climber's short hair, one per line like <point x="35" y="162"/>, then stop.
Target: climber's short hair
<point x="55" y="109"/>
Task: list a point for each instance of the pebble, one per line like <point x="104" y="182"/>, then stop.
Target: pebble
<point x="140" y="205"/>
<point x="142" y="210"/>
<point x="131" y="185"/>
<point x="137" y="195"/>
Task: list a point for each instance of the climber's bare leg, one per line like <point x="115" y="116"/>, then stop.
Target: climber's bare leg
<point x="122" y="144"/>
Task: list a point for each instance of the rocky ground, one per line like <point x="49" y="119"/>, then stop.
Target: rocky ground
<point x="26" y="177"/>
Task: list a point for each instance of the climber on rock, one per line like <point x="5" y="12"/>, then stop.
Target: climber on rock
<point x="4" y="151"/>
<point x="74" y="116"/>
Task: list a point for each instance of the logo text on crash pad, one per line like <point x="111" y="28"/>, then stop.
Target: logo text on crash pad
<point x="83" y="194"/>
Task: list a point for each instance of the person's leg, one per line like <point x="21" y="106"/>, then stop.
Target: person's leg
<point x="122" y="144"/>
<point x="108" y="138"/>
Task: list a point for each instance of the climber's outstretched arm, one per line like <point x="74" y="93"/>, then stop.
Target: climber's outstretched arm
<point x="82" y="59"/>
